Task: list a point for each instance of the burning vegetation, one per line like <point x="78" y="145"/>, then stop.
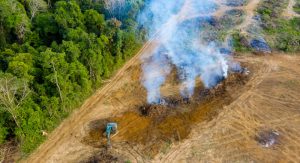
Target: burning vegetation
<point x="203" y="94"/>
<point x="169" y="120"/>
<point x="204" y="74"/>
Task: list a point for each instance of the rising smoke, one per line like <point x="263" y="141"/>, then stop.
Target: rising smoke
<point x="181" y="44"/>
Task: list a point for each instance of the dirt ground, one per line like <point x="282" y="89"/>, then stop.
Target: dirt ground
<point x="222" y="125"/>
<point x="219" y="129"/>
<point x="152" y="127"/>
<point x="271" y="103"/>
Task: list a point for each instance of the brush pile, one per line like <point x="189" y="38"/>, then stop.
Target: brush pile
<point x="267" y="138"/>
<point x="152" y="110"/>
<point x="156" y="110"/>
<point x="167" y="104"/>
<point x="102" y="156"/>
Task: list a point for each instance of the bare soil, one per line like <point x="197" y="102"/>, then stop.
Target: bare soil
<point x="222" y="127"/>
<point x="168" y="122"/>
<point x="219" y="125"/>
<point x="270" y="104"/>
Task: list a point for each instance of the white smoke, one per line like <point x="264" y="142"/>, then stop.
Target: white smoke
<point x="181" y="44"/>
<point x="155" y="72"/>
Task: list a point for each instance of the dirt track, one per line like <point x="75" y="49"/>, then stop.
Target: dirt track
<point x="250" y="12"/>
<point x="270" y="100"/>
<point x="289" y="12"/>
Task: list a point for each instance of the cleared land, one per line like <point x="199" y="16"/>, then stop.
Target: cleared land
<point x="220" y="131"/>
<point x="222" y="127"/>
<point x="272" y="102"/>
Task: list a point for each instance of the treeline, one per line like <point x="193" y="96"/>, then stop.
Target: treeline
<point x="53" y="54"/>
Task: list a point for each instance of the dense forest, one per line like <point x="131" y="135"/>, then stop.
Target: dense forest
<point x="54" y="54"/>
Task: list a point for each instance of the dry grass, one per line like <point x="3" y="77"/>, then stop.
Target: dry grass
<point x="2" y="154"/>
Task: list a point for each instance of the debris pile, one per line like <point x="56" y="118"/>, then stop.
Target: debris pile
<point x="167" y="104"/>
<point x="267" y="138"/>
<point x="239" y="76"/>
<point x="153" y="110"/>
<point x="170" y="119"/>
<point x="261" y="46"/>
<point x="102" y="156"/>
<point x="163" y="107"/>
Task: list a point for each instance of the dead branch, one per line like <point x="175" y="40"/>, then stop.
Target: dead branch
<point x="13" y="92"/>
<point x="56" y="81"/>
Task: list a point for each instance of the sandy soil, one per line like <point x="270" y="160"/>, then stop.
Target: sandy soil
<point x="250" y="11"/>
<point x="272" y="102"/>
<point x="222" y="129"/>
<point x="269" y="100"/>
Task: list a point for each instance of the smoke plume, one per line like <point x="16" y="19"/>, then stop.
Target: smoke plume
<point x="178" y="26"/>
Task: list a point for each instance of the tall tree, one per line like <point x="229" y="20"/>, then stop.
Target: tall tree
<point x="13" y="18"/>
<point x="68" y="15"/>
<point x="53" y="63"/>
<point x="13" y="92"/>
<point x="20" y="66"/>
<point x="37" y="6"/>
<point x="94" y="22"/>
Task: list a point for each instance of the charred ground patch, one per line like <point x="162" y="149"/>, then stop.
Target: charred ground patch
<point x="153" y="126"/>
<point x="103" y="156"/>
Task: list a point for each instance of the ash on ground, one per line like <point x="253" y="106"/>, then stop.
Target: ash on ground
<point x="153" y="110"/>
<point x="103" y="156"/>
<point x="237" y="75"/>
<point x="170" y="120"/>
<point x="165" y="105"/>
<point x="267" y="138"/>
